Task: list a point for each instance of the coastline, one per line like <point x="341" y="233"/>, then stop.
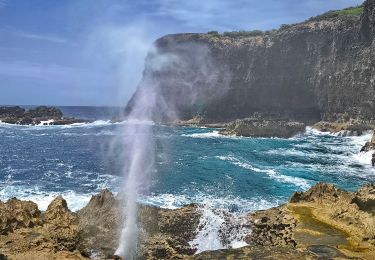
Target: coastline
<point x="163" y="247"/>
<point x="322" y="222"/>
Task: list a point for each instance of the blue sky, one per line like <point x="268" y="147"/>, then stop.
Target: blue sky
<point x="91" y="52"/>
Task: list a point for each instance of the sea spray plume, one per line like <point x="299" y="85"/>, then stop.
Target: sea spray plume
<point x="139" y="164"/>
<point x="188" y="79"/>
<point x="156" y="101"/>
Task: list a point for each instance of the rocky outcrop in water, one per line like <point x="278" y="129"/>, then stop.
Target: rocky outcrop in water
<point x="369" y="145"/>
<point x="322" y="223"/>
<point x="36" y="116"/>
<point x="263" y="128"/>
<point x="320" y="69"/>
<point x="345" y="127"/>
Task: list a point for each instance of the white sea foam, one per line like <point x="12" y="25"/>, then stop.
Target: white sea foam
<point x="75" y="200"/>
<point x="46" y="122"/>
<point x="218" y="224"/>
<point x="363" y="157"/>
<point x="313" y="131"/>
<point x="213" y="134"/>
<point x="302" y="183"/>
<point x="285" y="151"/>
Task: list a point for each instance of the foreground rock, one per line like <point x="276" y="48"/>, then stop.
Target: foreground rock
<point x="263" y="128"/>
<point x="321" y="223"/>
<point x="40" y="115"/>
<point x="49" y="235"/>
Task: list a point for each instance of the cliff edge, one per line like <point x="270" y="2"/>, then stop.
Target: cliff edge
<point x="320" y="69"/>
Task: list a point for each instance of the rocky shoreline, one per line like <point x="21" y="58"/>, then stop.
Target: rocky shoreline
<point x="41" y="115"/>
<point x="324" y="222"/>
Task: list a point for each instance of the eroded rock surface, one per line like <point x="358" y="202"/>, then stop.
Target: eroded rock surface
<point x="324" y="222"/>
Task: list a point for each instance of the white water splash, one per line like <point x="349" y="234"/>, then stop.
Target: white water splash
<point x="138" y="155"/>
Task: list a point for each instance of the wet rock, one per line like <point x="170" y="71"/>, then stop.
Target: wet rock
<point x="345" y="127"/>
<point x="256" y="252"/>
<point x="100" y="223"/>
<point x="168" y="232"/>
<point x="369" y="145"/>
<point x="325" y="251"/>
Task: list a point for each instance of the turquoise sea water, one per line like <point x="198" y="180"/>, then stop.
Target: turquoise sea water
<point x="193" y="165"/>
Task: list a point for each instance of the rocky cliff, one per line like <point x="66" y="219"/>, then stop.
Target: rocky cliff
<point x="320" y="69"/>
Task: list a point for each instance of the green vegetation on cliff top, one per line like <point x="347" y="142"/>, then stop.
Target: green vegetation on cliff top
<point x="344" y="13"/>
<point x="347" y="12"/>
<point x="358" y="10"/>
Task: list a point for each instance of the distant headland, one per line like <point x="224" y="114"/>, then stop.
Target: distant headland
<point x="41" y="115"/>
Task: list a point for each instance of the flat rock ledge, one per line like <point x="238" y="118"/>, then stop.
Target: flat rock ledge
<point x="324" y="222"/>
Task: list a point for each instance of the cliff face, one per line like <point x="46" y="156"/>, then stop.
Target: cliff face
<point x="321" y="69"/>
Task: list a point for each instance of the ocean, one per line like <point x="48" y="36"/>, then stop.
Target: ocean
<point x="227" y="175"/>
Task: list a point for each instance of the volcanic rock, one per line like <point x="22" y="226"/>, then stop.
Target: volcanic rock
<point x="15" y="214"/>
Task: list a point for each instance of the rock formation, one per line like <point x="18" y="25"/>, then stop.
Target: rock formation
<point x="263" y="128"/>
<point x="320" y="69"/>
<point x="323" y="222"/>
<point x="369" y="145"/>
<point x="19" y="116"/>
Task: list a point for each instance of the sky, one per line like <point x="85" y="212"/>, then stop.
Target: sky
<point x="92" y="52"/>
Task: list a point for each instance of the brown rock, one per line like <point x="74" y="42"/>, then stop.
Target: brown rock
<point x="15" y="214"/>
<point x="100" y="223"/>
<point x="61" y="225"/>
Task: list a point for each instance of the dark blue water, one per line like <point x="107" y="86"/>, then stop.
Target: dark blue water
<point x="192" y="164"/>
